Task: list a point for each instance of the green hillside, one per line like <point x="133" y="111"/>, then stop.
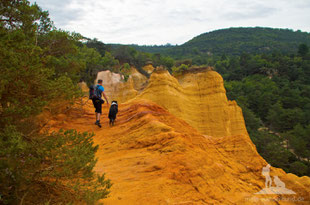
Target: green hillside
<point x="235" y="41"/>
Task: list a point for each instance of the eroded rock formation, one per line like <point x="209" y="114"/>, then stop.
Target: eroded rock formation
<point x="117" y="89"/>
<point x="199" y="99"/>
<point x="180" y="141"/>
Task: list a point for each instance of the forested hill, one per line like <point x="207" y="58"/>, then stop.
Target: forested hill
<point x="234" y="41"/>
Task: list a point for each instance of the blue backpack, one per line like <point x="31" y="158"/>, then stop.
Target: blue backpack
<point x="94" y="92"/>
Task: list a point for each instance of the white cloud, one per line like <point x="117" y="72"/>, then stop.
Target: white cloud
<point x="171" y="21"/>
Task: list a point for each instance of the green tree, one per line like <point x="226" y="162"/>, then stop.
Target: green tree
<point x="180" y="69"/>
<point x="61" y="53"/>
<point x="276" y="100"/>
<point x="36" y="167"/>
<point x="108" y="61"/>
<point x="300" y="141"/>
<point x="125" y="54"/>
<point x="93" y="62"/>
<point x="303" y="49"/>
<point x="139" y="61"/>
<point x="99" y="46"/>
<point x="167" y="62"/>
<point x="298" y="168"/>
<point x="125" y="70"/>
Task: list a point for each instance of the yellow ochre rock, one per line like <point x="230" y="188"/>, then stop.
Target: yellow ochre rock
<point x="139" y="81"/>
<point x="180" y="141"/>
<point x="153" y="157"/>
<point x="83" y="87"/>
<point x="199" y="99"/>
<point x="117" y="89"/>
<point x="149" y="68"/>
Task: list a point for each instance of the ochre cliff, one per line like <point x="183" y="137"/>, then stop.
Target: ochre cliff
<point x="117" y="89"/>
<point x="199" y="99"/>
<point x="149" y="68"/>
<point x="153" y="157"/>
<point x="180" y="141"/>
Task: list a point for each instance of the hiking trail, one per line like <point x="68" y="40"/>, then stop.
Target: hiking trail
<point x="174" y="143"/>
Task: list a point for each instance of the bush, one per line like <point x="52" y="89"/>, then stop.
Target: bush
<point x="179" y="70"/>
<point x="52" y="168"/>
<point x="298" y="168"/>
<point x="125" y="70"/>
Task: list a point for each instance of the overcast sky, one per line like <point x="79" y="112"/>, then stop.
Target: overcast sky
<point x="150" y="22"/>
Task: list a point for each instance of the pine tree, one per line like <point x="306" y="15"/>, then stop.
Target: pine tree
<point x="38" y="167"/>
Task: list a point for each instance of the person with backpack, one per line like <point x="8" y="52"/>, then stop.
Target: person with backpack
<point x="95" y="93"/>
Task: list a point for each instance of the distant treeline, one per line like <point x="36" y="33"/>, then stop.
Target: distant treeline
<point x="233" y="42"/>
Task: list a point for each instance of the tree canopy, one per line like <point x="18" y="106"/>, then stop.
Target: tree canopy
<point x="40" y="67"/>
<point x="233" y="42"/>
<point x="273" y="91"/>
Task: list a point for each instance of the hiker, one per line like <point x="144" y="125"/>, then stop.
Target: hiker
<point x="98" y="101"/>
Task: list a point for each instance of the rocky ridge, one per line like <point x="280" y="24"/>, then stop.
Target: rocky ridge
<point x="180" y="141"/>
